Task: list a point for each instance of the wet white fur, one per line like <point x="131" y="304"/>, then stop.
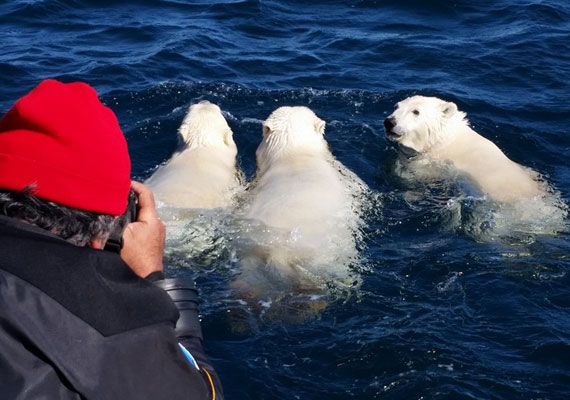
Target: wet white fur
<point x="297" y="190"/>
<point x="203" y="174"/>
<point x="437" y="130"/>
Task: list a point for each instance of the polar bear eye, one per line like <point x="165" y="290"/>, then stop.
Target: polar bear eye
<point x="416" y="112"/>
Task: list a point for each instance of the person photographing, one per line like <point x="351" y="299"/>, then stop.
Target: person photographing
<point x="77" y="321"/>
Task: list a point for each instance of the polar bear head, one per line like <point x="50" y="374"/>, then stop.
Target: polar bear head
<point x="291" y="130"/>
<point x="205" y="126"/>
<point x="420" y="123"/>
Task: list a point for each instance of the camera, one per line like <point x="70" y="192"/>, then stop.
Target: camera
<point x="115" y="241"/>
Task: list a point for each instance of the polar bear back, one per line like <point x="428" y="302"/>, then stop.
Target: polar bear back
<point x="483" y="162"/>
<point x="198" y="178"/>
<point x="300" y="193"/>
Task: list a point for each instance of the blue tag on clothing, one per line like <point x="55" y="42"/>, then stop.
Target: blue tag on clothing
<point x="189" y="356"/>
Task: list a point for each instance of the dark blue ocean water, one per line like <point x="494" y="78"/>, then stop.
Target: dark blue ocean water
<point x="442" y="313"/>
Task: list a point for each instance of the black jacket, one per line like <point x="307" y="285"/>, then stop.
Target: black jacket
<point x="77" y="323"/>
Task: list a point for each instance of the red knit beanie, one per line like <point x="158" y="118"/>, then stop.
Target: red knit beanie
<point x="63" y="141"/>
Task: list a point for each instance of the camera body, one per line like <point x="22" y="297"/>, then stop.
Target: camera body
<point x="115" y="240"/>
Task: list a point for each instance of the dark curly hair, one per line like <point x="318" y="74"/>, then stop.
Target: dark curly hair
<point x="76" y="226"/>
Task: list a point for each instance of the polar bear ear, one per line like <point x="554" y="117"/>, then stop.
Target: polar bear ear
<point x="266" y="129"/>
<point x="228" y="137"/>
<point x="449" y="108"/>
<point x="320" y="126"/>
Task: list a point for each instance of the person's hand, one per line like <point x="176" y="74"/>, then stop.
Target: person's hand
<point x="143" y="240"/>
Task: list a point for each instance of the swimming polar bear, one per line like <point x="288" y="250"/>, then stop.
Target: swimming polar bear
<point x="303" y="199"/>
<point x="437" y="130"/>
<point x="203" y="174"/>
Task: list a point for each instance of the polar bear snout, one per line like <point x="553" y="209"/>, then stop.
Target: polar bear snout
<point x="389" y="125"/>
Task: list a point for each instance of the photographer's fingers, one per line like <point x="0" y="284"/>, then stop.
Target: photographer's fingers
<point x="147" y="206"/>
<point x="143" y="239"/>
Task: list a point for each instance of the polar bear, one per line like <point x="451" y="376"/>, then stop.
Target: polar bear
<point x="302" y="197"/>
<point x="437" y="130"/>
<point x="203" y="174"/>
